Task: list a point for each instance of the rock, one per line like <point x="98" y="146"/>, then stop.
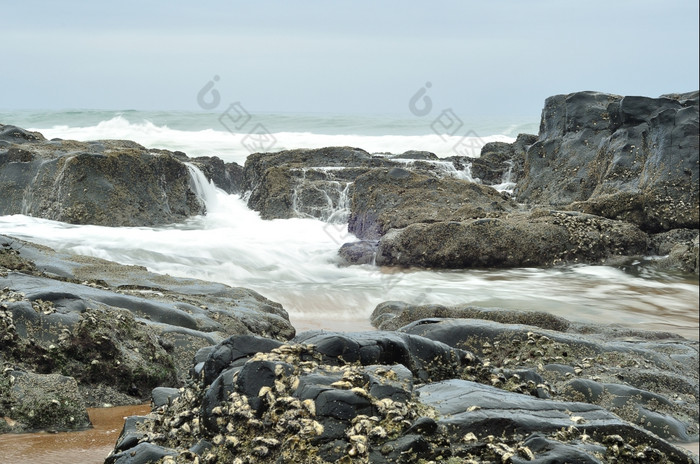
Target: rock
<point x="684" y="256"/>
<point x="394" y="198"/>
<point x="501" y="162"/>
<point x="319" y="183"/>
<point x="31" y="401"/>
<point x="13" y="135"/>
<point x="628" y="158"/>
<point x="118" y="331"/>
<point x="93" y="182"/>
<point x="228" y="177"/>
<point x="361" y="252"/>
<point x="319" y="399"/>
<point x="303" y="182"/>
<point x="143" y="453"/>
<point x="646" y="382"/>
<point x="542" y="238"/>
<point x="481" y="410"/>
<point x="392" y="315"/>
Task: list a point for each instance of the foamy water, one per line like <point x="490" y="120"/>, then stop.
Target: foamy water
<point x="294" y="262"/>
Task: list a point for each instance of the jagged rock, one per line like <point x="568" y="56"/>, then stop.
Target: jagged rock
<point x="108" y="182"/>
<point x="542" y="238"/>
<point x="394" y="198"/>
<point x="499" y="160"/>
<point x="227" y="176"/>
<point x="318" y="400"/>
<point x="119" y="331"/>
<point x="628" y="158"/>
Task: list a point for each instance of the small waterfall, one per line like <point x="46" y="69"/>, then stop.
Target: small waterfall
<point x="326" y="198"/>
<point x="205" y="189"/>
<point x="443" y="168"/>
<point x="507" y="185"/>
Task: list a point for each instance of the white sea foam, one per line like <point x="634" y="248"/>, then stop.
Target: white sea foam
<point x="294" y="261"/>
<point x="231" y="146"/>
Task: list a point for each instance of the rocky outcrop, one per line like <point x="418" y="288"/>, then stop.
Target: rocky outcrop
<point x="305" y="183"/>
<point x="115" y="331"/>
<point x="107" y="182"/>
<point x="226" y="176"/>
<point x="542" y="238"/>
<point x="628" y="158"/>
<point x="384" y="397"/>
<point x="320" y="183"/>
<point x="394" y="198"/>
<point x="501" y="162"/>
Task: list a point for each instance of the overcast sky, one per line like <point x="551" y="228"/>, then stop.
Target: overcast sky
<point x="482" y="58"/>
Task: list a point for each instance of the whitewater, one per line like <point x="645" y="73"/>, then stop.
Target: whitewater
<point x="295" y="261"/>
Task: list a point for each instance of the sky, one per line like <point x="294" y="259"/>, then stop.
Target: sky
<point x="360" y="57"/>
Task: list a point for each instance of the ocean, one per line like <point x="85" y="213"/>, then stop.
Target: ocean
<point x="294" y="261"/>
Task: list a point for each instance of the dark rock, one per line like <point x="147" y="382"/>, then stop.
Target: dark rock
<point x="317" y="400"/>
<point x="226" y="176"/>
<point x="426" y="359"/>
<point x="305" y="183"/>
<point x="41" y="401"/>
<point x="143" y="453"/>
<point x="383" y="199"/>
<point x="542" y="238"/>
<point x="416" y="155"/>
<point x="593" y="368"/>
<point x="467" y="407"/>
<point x="361" y="252"/>
<point x="501" y="162"/>
<point x="392" y="315"/>
<point x="232" y="349"/>
<point x="161" y="396"/>
<point x="118" y="331"/>
<point x="628" y="158"/>
<point x="15" y="135"/>
<point x="109" y="182"/>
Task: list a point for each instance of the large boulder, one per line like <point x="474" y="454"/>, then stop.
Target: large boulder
<point x="394" y="198"/>
<point x="541" y="238"/>
<point x="108" y="182"/>
<point x="628" y="158"/>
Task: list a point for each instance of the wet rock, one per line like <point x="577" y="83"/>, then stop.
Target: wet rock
<point x="118" y="331"/>
<point x="541" y="238"/>
<point x="627" y="158"/>
<point x="361" y="252"/>
<point x="316" y="400"/>
<point x="392" y="315"/>
<point x="396" y="198"/>
<point x="646" y="382"/>
<point x="226" y="176"/>
<point x="501" y="161"/>
<point x="93" y="182"/>
<point x="305" y="183"/>
<point x="143" y="453"/>
<point x="30" y="402"/>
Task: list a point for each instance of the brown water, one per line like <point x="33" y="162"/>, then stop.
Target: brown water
<point x="87" y="447"/>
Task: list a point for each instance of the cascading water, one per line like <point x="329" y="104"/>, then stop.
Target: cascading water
<point x="295" y="262"/>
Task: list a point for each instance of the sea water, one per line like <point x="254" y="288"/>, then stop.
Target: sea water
<point x="295" y="261"/>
